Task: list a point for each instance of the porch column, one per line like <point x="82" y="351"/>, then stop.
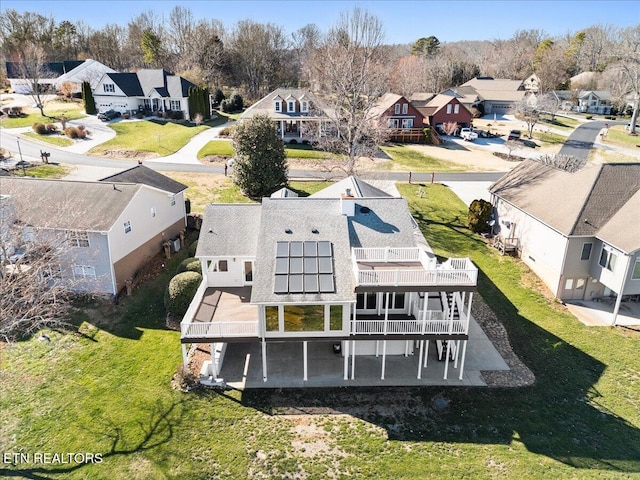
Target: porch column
<point x="346" y="359"/>
<point x="619" y="298"/>
<point x="469" y="311"/>
<point x="386" y="312"/>
<point x="282" y="129"/>
<point x="384" y="357"/>
<point x="420" y="359"/>
<point x="353" y="359"/>
<point x="426" y="352"/>
<point x="455" y="363"/>
<point x="214" y="366"/>
<point x="304" y="360"/>
<point x="264" y="360"/>
<point x="377" y="348"/>
<point x="446" y="363"/>
<point x="300" y="129"/>
<point x="464" y="353"/>
<point x="184" y="354"/>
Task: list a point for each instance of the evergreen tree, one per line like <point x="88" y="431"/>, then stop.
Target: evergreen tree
<point x="260" y="166"/>
<point x="88" y="100"/>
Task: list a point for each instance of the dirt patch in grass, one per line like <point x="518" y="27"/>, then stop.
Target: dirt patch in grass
<point x="129" y="154"/>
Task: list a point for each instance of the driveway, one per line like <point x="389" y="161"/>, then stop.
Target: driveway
<point x="582" y="139"/>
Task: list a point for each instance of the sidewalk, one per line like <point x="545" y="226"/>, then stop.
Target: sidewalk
<point x="189" y="153"/>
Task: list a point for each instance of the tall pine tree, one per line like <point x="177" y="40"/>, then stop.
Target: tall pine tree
<point x="88" y="100"/>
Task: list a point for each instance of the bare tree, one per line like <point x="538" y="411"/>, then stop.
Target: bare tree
<point x="352" y="69"/>
<point x="549" y="103"/>
<point x="567" y="163"/>
<point x="449" y="128"/>
<point x="32" y="67"/>
<point x="528" y="111"/>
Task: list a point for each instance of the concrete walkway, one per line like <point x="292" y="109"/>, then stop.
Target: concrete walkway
<point x="189" y="153"/>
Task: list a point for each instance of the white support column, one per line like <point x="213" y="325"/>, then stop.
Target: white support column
<point x="455" y="363"/>
<point x="184" y="354"/>
<point x="420" y="359"/>
<point x="386" y="312"/>
<point x="384" y="357"/>
<point x="304" y="360"/>
<point x="264" y="360"/>
<point x="353" y="359"/>
<point x="406" y="348"/>
<point x="346" y="359"/>
<point x="446" y="363"/>
<point x="469" y="311"/>
<point x="377" y="348"/>
<point x="426" y="353"/>
<point x="464" y="353"/>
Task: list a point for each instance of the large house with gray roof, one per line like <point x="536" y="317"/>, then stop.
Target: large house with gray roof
<point x="107" y="229"/>
<point x="152" y="90"/>
<point x="333" y="279"/>
<point x="578" y="231"/>
<point x="298" y="115"/>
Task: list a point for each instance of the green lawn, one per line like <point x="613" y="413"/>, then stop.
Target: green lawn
<point x="549" y="138"/>
<point x="560" y="122"/>
<point x="54" y="139"/>
<point x="404" y="158"/>
<point x="224" y="148"/>
<point x="107" y="391"/>
<point x="73" y="112"/>
<point x="48" y="171"/>
<point x="159" y="136"/>
<point x="617" y="135"/>
<point x="216" y="147"/>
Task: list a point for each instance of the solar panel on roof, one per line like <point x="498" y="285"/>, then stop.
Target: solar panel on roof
<point x="325" y="265"/>
<point x="326" y="283"/>
<point x="295" y="284"/>
<point x="295" y="249"/>
<point x="282" y="265"/>
<point x="295" y="265"/>
<point x="282" y="249"/>
<point x="324" y="249"/>
<point x="311" y="283"/>
<point x="310" y="249"/>
<point x="304" y="267"/>
<point x="281" y="284"/>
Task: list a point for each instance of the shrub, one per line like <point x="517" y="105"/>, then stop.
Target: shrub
<point x="78" y="132"/>
<point x="293" y="141"/>
<point x="181" y="291"/>
<point x="126" y="115"/>
<point x="184" y="379"/>
<point x="192" y="248"/>
<point x="190" y="264"/>
<point x="177" y="115"/>
<point x="237" y="102"/>
<point x="479" y="215"/>
<point x="226" y="132"/>
<point x="39" y="128"/>
<point x="139" y="114"/>
<point x="218" y="97"/>
<point x="589" y="117"/>
<point x="51" y="128"/>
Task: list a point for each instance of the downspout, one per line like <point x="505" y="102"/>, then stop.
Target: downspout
<point x="619" y="299"/>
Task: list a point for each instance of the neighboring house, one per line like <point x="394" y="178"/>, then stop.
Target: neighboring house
<point x="21" y="80"/>
<point x="401" y="119"/>
<point x="565" y="98"/>
<point x="331" y="271"/>
<point x="579" y="231"/>
<point x="531" y="84"/>
<point x="153" y="90"/>
<point x="496" y="95"/>
<point x="112" y="227"/>
<point x="297" y="114"/>
<point x="88" y="71"/>
<point x="446" y="108"/>
<point x="594" y="101"/>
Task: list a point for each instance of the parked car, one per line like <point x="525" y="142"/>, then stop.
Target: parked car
<point x="514" y="135"/>
<point x="628" y="127"/>
<point x="109" y="115"/>
<point x="468" y="134"/>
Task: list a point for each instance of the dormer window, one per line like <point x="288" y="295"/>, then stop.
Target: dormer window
<point x="397" y="108"/>
<point x="291" y="106"/>
<point x="278" y="106"/>
<point x="304" y="106"/>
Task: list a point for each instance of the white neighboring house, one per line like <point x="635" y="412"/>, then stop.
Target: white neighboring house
<point x="578" y="232"/>
<point x="112" y="226"/>
<point x="594" y="101"/>
<point x="346" y="268"/>
<point x="58" y="73"/>
<point x="153" y="90"/>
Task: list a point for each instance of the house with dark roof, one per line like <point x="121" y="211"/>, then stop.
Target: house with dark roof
<point x="154" y="90"/>
<point x="109" y="229"/>
<point x="54" y="74"/>
<point x="298" y="115"/>
<point x="399" y="117"/>
<point x="330" y="289"/>
<point x="578" y="231"/>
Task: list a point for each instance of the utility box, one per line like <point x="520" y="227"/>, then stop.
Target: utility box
<point x="175" y="244"/>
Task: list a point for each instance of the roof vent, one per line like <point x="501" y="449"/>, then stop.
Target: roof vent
<point x="315" y="230"/>
<point x="289" y="231"/>
<point x="365" y="210"/>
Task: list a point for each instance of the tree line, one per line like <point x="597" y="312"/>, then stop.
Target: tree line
<point x="255" y="58"/>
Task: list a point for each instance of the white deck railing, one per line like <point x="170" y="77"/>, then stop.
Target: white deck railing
<point x="247" y="328"/>
<point x="386" y="254"/>
<point x="401" y="277"/>
<point x="194" y="305"/>
<point x="434" y="326"/>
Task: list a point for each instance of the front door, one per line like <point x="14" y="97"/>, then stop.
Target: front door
<point x="574" y="288"/>
<point x="248" y="273"/>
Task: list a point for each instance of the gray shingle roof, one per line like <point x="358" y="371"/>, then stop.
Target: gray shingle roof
<point x="144" y="81"/>
<point x="581" y="203"/>
<point x="359" y="188"/>
<point x="265" y="106"/>
<point x="66" y="204"/>
<point x="229" y="229"/>
<point x="147" y="176"/>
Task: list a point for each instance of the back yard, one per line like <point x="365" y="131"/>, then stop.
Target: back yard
<point x="107" y="390"/>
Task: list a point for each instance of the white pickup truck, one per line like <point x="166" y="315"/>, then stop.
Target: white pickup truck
<point x="468" y="134"/>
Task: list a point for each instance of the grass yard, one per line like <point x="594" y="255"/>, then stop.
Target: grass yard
<point x="549" y="138"/>
<point x="617" y="135"/>
<point x="73" y="111"/>
<point x="224" y="148"/>
<point x="107" y="391"/>
<point x="216" y="147"/>
<point x="560" y="122"/>
<point x="156" y="136"/>
<point x="48" y="171"/>
<point x="54" y="139"/>
<point x="404" y="158"/>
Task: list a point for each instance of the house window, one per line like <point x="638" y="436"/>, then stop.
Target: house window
<point x="173" y="200"/>
<point x="607" y="258"/>
<point x="405" y="108"/>
<point x="174" y="105"/>
<point x="109" y="88"/>
<point x="78" y="239"/>
<point x="456" y="108"/>
<point x="153" y="212"/>
<point x="83" y="271"/>
<point x="304" y="318"/>
<point x="223" y="266"/>
<point x="52" y="271"/>
<point x="127" y="226"/>
<point x="394" y="123"/>
<point x="407" y="123"/>
<point x="335" y="317"/>
<point x="586" y="251"/>
<point x="635" y="275"/>
<point x="304" y="107"/>
<point x="449" y="109"/>
<point x="397" y="109"/>
<point x="271" y="318"/>
<point x="291" y="106"/>
<point x="277" y="106"/>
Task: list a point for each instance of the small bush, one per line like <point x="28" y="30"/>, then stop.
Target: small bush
<point x="293" y="141"/>
<point x="479" y="215"/>
<point x="51" y="128"/>
<point x="139" y="114"/>
<point x="192" y="248"/>
<point x="78" y="132"/>
<point x="184" y="379"/>
<point x="166" y="114"/>
<point x="226" y="132"/>
<point x="589" y="117"/>
<point x="190" y="264"/>
<point x="177" y="115"/>
<point x="39" y="128"/>
<point x="181" y="291"/>
<point x="126" y="115"/>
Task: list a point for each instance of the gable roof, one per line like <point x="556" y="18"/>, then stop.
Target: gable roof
<point x="589" y="202"/>
<point x="358" y="188"/>
<point x="265" y="106"/>
<point x="486" y="84"/>
<point x="229" y="230"/>
<point x="384" y="103"/>
<point x="420" y="99"/>
<point x="89" y="70"/>
<point x="146" y="80"/>
<point x="56" y="69"/>
<point x="146" y="176"/>
<point x="601" y="94"/>
<point x="68" y="204"/>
